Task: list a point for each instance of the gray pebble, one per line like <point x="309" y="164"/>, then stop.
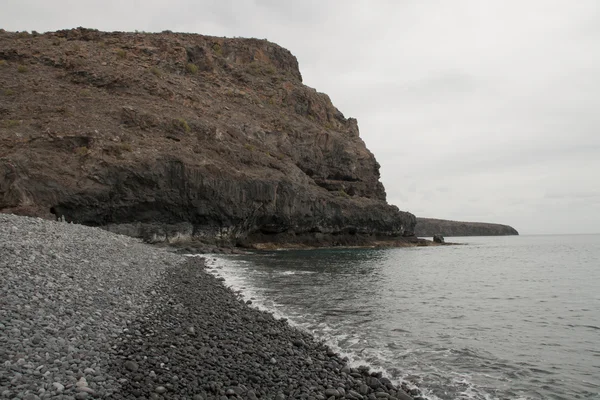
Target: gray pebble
<point x="131" y="365"/>
<point x="58" y="386"/>
<point x="403" y="396"/>
<point x="160" y="389"/>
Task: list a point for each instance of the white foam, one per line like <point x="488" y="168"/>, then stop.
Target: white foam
<point x="297" y="272"/>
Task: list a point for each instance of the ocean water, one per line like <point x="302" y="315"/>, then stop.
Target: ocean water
<point x="498" y="318"/>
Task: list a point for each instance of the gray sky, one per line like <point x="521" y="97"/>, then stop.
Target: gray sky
<point x="476" y="110"/>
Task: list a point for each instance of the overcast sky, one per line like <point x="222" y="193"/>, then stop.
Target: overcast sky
<point x="477" y="110"/>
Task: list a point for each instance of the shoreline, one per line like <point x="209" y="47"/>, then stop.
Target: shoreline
<point x="90" y="314"/>
<point x="203" y="248"/>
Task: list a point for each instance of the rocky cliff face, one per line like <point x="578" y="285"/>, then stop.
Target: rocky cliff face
<point x="180" y="136"/>
<point x="430" y="227"/>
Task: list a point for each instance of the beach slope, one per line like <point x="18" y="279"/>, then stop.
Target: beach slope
<point x="86" y="313"/>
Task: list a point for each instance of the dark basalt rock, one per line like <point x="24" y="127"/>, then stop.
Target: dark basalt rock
<point x="180" y="137"/>
<point x="438" y="238"/>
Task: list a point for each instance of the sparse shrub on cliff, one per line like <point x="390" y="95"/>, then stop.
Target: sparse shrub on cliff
<point x="81" y="151"/>
<point x="342" y="193"/>
<point x="21" y="69"/>
<point x="126" y="147"/>
<point x="3" y="63"/>
<point x="62" y="110"/>
<point x="132" y="117"/>
<point x="259" y="68"/>
<point x="156" y="72"/>
<point x="117" y="150"/>
<point x="8" y="92"/>
<point x="237" y="93"/>
<point x="121" y="53"/>
<point x="191" y="68"/>
<point x="249" y="147"/>
<point x="9" y="123"/>
<point x="74" y="63"/>
<point x="269" y="69"/>
<point x="217" y="49"/>
<point x="181" y="125"/>
<point x="23" y="34"/>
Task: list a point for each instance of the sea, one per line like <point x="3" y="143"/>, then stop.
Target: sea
<point x="512" y="317"/>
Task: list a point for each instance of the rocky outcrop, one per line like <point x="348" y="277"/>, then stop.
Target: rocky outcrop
<point x="431" y="227"/>
<point x="178" y="137"/>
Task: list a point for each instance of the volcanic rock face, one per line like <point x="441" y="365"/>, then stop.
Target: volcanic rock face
<point x="432" y="227"/>
<point x="179" y="136"/>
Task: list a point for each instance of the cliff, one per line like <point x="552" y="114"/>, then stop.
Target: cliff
<point x="430" y="227"/>
<point x="178" y="137"/>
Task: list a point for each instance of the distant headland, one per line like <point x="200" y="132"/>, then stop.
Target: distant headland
<point x="430" y="226"/>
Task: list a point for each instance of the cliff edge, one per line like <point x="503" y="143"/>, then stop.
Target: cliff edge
<point x="177" y="137"/>
<point x="430" y="226"/>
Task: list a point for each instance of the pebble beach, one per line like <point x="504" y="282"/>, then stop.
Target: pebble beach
<point x="85" y="313"/>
